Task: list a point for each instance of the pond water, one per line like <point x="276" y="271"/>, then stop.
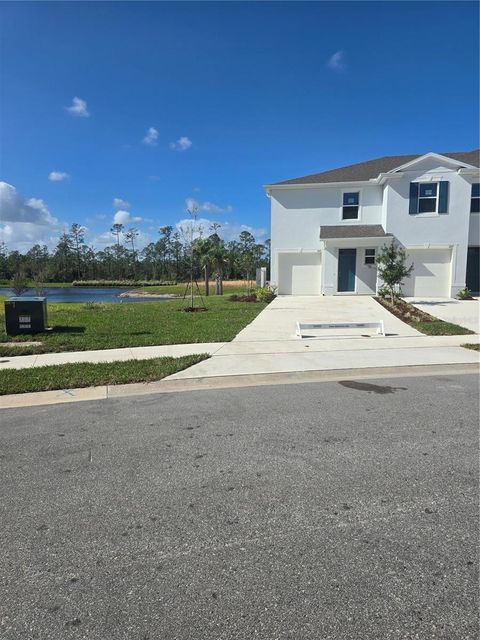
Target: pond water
<point x="83" y="294"/>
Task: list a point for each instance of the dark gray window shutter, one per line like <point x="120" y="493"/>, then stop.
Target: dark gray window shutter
<point x="413" y="198"/>
<point x="443" y="197"/>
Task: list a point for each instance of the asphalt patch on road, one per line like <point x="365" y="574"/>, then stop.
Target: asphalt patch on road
<point x="370" y="388"/>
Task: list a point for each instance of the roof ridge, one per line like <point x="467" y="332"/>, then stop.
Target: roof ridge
<point x="364" y="171"/>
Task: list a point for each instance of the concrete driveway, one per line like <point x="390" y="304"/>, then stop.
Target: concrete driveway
<point x="277" y="321"/>
<point x="465" y="313"/>
<point x="269" y="345"/>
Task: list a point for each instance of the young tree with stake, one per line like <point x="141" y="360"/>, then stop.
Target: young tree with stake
<point x="392" y="268"/>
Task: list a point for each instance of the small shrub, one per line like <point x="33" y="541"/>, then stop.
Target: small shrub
<point x="93" y="306"/>
<point x="465" y="294"/>
<point x="266" y="293"/>
<point x="18" y="285"/>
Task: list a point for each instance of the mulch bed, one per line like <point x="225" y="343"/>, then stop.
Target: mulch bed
<point x="406" y="312"/>
<point x="236" y="298"/>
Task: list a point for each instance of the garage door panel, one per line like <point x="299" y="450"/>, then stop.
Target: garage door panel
<point x="431" y="273"/>
<point x="299" y="274"/>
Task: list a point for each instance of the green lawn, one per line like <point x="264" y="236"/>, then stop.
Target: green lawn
<point x="5" y="284"/>
<point x="473" y="347"/>
<point x="228" y="288"/>
<point x="79" y="327"/>
<point x="179" y="289"/>
<point x="87" y="374"/>
<point x="440" y="328"/>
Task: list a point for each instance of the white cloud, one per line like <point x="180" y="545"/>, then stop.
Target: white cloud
<point x="182" y="144"/>
<point x="151" y="137"/>
<point x="121" y="217"/>
<point x="119" y="203"/>
<point x="104" y="238"/>
<point x="228" y="230"/>
<point x="57" y="176"/>
<point x="124" y="217"/>
<point x="78" y="108"/>
<point x="14" y="208"/>
<point x="21" y="236"/>
<point x="336" y="62"/>
<point x="208" y="207"/>
<point x="24" y="223"/>
<point x="192" y="229"/>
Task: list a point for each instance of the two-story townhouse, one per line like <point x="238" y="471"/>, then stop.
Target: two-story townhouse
<point x="327" y="228"/>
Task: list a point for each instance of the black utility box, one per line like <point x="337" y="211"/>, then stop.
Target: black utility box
<point x="25" y="315"/>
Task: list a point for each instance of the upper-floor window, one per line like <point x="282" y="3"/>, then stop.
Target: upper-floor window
<point x="428" y="197"/>
<point x="351" y="203"/>
<point x="475" y="202"/>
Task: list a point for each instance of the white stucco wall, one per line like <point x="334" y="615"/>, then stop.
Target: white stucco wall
<point x="422" y="230"/>
<point x="297" y="214"/>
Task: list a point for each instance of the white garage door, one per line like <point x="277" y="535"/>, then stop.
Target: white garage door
<point x="299" y="274"/>
<point x="431" y="273"/>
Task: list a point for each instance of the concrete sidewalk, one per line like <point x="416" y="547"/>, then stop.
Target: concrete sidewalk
<point x="275" y="356"/>
<point x="465" y="313"/>
<point x="268" y="345"/>
<point x="268" y="357"/>
<point x="109" y="355"/>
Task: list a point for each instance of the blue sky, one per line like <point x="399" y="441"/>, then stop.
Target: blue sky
<point x="234" y="95"/>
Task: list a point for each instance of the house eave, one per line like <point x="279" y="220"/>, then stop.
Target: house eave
<point x="468" y="171"/>
<point x="268" y="188"/>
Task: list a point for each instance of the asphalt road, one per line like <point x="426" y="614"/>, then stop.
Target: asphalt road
<point x="312" y="511"/>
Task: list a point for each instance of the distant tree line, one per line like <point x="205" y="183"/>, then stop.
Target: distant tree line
<point x="171" y="258"/>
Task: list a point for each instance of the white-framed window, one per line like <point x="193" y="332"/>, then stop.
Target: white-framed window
<point x="475" y="201"/>
<point x="370" y="255"/>
<point x="428" y="197"/>
<point x="350" y="205"/>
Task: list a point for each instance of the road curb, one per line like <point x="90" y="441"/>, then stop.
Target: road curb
<point x="111" y="392"/>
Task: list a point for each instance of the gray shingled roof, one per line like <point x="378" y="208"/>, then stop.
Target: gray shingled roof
<point x="372" y="168"/>
<point x="352" y="231"/>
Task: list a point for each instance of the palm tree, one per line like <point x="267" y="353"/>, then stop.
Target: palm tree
<point x="219" y="256"/>
<point x="203" y="248"/>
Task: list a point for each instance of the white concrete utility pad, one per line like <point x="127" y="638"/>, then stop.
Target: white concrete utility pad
<point x="278" y="320"/>
<point x="465" y="313"/>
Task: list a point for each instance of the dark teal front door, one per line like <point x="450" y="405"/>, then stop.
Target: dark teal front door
<point x="347" y="259"/>
<point x="473" y="269"/>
